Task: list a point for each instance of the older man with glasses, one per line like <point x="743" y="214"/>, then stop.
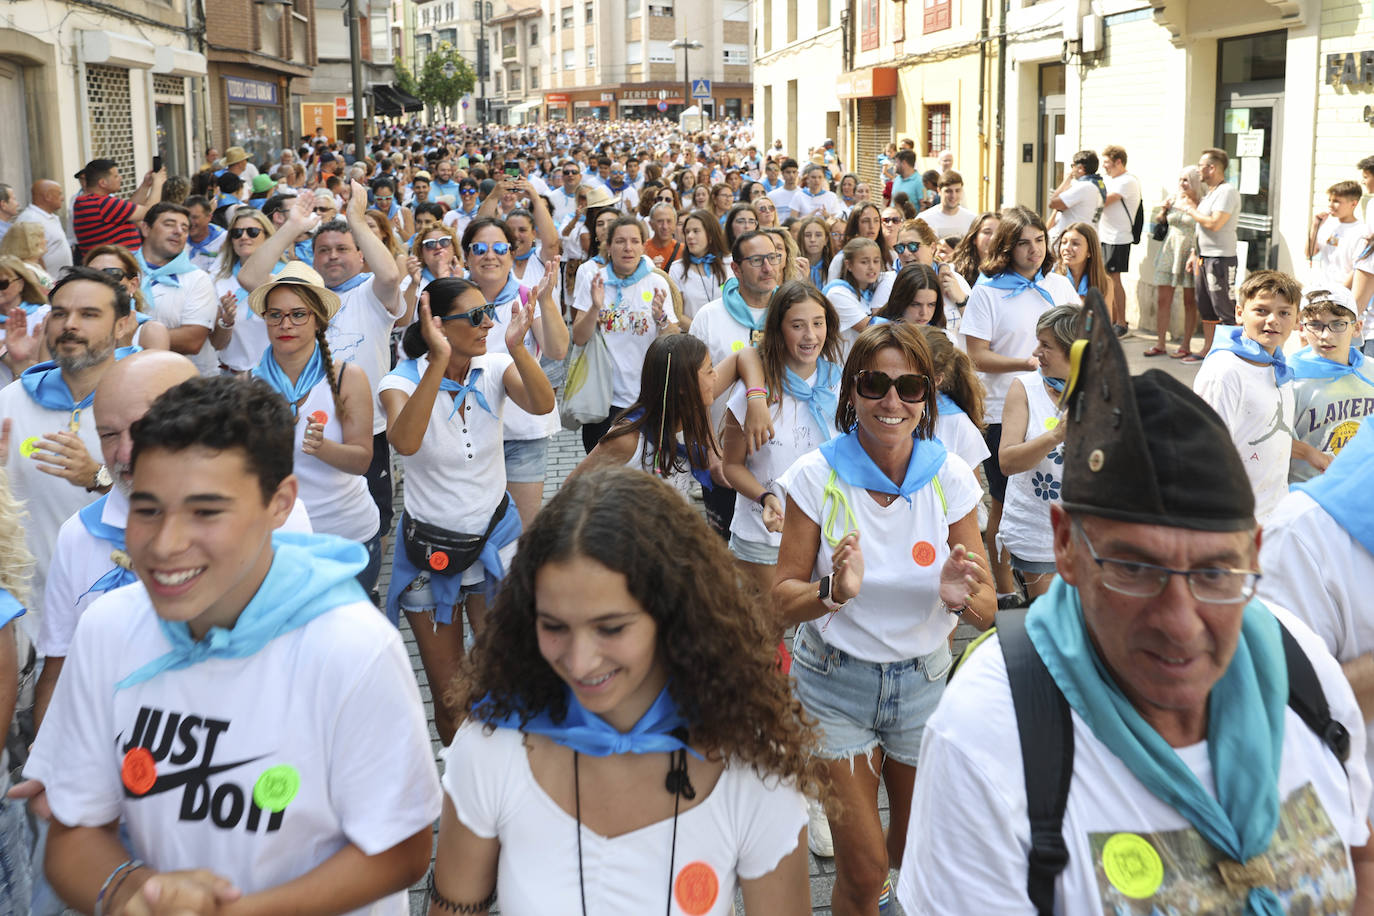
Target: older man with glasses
<point x="564" y="196"/>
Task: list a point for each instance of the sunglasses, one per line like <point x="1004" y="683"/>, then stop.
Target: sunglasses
<point x="251" y="231"/>
<point x="476" y="316"/>
<point x="6" y="283"/>
<point x="904" y="247"/>
<point x="116" y="272"/>
<point x="567" y="173"/>
<point x="436" y="244"/>
<point x="873" y="385"/>
<point x="466" y="191"/>
<point x="891" y="220"/>
<point x="325" y="209"/>
<point x="481" y="248"/>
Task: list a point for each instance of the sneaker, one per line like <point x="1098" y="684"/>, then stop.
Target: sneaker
<point x="818" y="838"/>
<point x="885" y="898"/>
<point x="1121" y="330"/>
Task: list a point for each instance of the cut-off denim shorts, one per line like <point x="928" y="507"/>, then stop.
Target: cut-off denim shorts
<point x="861" y="705"/>
<point x="760" y="552"/>
<point x="526" y="460"/>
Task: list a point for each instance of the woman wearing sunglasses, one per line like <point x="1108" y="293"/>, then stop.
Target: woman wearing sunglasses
<point x="332" y="404"/>
<point x="118" y="262"/>
<point x="700" y="270"/>
<point x="433" y="254"/>
<point x="767" y="212"/>
<point x="887" y="521"/>
<point x="239" y="336"/>
<point x="458" y="532"/>
<point x="490" y="247"/>
<point x="23" y="305"/>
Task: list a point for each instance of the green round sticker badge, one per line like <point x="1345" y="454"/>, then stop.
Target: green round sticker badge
<point x="276" y="787"/>
<point x="1132" y="865"/>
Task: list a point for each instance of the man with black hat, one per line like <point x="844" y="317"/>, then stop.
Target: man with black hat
<point x="1186" y="743"/>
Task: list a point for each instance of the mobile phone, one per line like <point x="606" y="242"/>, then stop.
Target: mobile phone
<point x="157" y="163"/>
<point x="512" y="169"/>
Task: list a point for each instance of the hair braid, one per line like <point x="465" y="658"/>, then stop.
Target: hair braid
<point x="330" y="374"/>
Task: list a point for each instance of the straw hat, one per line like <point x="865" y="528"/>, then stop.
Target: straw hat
<point x="598" y="195"/>
<point x="234" y="154"/>
<point x="297" y="274"/>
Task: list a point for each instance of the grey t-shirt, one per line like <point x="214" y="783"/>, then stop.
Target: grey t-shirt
<point x="1219" y="243"/>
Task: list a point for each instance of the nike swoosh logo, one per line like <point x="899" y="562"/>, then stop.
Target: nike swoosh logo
<point x="169" y="781"/>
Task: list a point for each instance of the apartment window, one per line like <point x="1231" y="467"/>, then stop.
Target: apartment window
<point x="448" y="11"/>
<point x="661" y="52"/>
<point x="449" y="35"/>
<point x="633" y="7"/>
<point x="823" y="14"/>
<point x="567" y="17"/>
<point x="661" y="9"/>
<point x="935" y="17"/>
<point x="514" y="81"/>
<point x="590" y="9"/>
<point x="534" y="77"/>
<point x="736" y="55"/>
<point x="591" y="57"/>
<point x="498" y="81"/>
<point x="868" y="24"/>
<point x="634" y="52"/>
<point x="534" y="34"/>
<point x="477" y="9"/>
<point x="937" y="129"/>
<point x="568" y="59"/>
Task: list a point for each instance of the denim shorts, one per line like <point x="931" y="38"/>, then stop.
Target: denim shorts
<point x="760" y="552"/>
<point x="861" y="705"/>
<point x="1031" y="567"/>
<point x="526" y="460"/>
<point x="418" y="597"/>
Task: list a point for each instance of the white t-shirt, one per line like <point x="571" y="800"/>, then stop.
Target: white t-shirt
<point x="961" y="437"/>
<point x="629" y="329"/>
<point x="742" y="830"/>
<point x="804" y="204"/>
<point x="1219" y="243"/>
<point x="1083" y="204"/>
<point x="945" y="224"/>
<point x="782" y="199"/>
<point x="1007" y="323"/>
<point x="969" y="837"/>
<point x="1115" y="226"/>
<point x="518" y="424"/>
<point x="321" y="702"/>
<point x="851" y="309"/>
<point x="897" y="614"/>
<point x="796" y="434"/>
<point x="207" y="256"/>
<point x="1338" y="244"/>
<point x="723" y="336"/>
<point x="1025" y="529"/>
<point x="360" y="332"/>
<point x="697" y="283"/>
<point x="1259" y="415"/>
<point x="192" y="303"/>
<point x="47" y="500"/>
<point x="58" y="253"/>
<point x="564" y="204"/>
<point x="248" y="341"/>
<point x="339" y="502"/>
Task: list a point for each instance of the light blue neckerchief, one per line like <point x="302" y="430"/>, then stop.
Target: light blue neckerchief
<point x="526" y="256"/>
<point x="846" y="455"/>
<point x="1014" y="284"/>
<point x="211" y="237"/>
<point x="818" y="275"/>
<point x="620" y="285"/>
<point x="351" y="283"/>
<point x="1082" y="285"/>
<point x="91" y="520"/>
<point x="1234" y="340"/>
<point x="28" y="307"/>
<point x="704" y="259"/>
<point x="1058" y="384"/>
<point x="410" y="371"/>
<point x="44" y="383"/>
<point x="241" y="294"/>
<point x="311" y="574"/>
<point x="737" y="308"/>
<point x="865" y="296"/>
<point x="1245" y="726"/>
<point x="945" y="405"/>
<point x="426" y="277"/>
<point x="508" y="292"/>
<point x="820" y="398"/>
<point x="10" y="608"/>
<point x="168" y="274"/>
<point x="305" y="251"/>
<point x="1307" y="364"/>
<point x="661" y="730"/>
<point x="1343" y="488"/>
<point x="272" y="373"/>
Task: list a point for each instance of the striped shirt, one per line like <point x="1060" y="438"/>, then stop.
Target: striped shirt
<point x="103" y="219"/>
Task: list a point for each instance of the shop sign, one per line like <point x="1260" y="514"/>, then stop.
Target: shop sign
<point x="250" y="92"/>
<point x="869" y="83"/>
<point x="1352" y="69"/>
<point x="608" y="96"/>
<point x="317" y="114"/>
<point x="556" y="98"/>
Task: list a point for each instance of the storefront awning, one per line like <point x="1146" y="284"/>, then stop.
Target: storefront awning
<point x="526" y="106"/>
<point x="408" y="101"/>
<point x="388" y="104"/>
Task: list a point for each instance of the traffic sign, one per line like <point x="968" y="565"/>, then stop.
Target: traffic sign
<point x="701" y="89"/>
<point x="662" y="106"/>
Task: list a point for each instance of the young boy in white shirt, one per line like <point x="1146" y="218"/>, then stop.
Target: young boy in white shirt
<point x="1333" y="388"/>
<point x="243" y="710"/>
<point x="1336" y="236"/>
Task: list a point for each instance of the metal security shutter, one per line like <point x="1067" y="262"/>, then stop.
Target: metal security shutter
<point x="112" y="122"/>
<point x="873" y="130"/>
<point x="14" y="145"/>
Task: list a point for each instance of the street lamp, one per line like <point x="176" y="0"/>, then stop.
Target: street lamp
<point x="688" y="45"/>
<point x="450" y="71"/>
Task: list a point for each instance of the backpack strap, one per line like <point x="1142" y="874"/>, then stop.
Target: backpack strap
<point x="1045" y="726"/>
<point x="1308" y="700"/>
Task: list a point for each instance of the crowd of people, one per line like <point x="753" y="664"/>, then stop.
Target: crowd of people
<point x="825" y="423"/>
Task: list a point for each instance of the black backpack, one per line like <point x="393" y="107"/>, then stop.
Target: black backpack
<point x="1046" y="732"/>
<point x="1138" y="223"/>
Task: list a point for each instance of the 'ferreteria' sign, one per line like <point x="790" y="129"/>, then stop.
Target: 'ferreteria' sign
<point x="1353" y="68"/>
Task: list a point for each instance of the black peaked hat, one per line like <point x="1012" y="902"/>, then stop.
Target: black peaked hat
<point x="1145" y="449"/>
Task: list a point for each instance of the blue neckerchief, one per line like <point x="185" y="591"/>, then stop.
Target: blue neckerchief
<point x="211" y="237"/>
<point x="10" y="607"/>
<point x="311" y="574"/>
<point x="1057" y="384"/>
<point x="1245" y="725"/>
<point x="945" y="406"/>
<point x="271" y="372"/>
<point x="426" y="277"/>
<point x="738" y="309"/>
<point x="1082" y="285"/>
<point x="168" y="274"/>
<point x="470" y="213"/>
<point x="240" y="293"/>
<point x="351" y="283"/>
<point x="395" y="208"/>
<point x="702" y="475"/>
<point x="44" y="383"/>
<point x="704" y="259"/>
<point x="1343" y="488"/>
<point x="1014" y="284"/>
<point x="28" y="307"/>
<point x="1234" y="339"/>
<point x="619" y="285"/>
<point x="818" y="275"/>
<point x="305" y="251"/>
<point x="865" y="296"/>
<point x="526" y="256"/>
<point x="846" y="455"/>
<point x="1307" y="364"/>
<point x="118" y="577"/>
<point x="809" y="193"/>
<point x="771" y="185"/>
<point x="820" y="398"/>
<point x="1097" y="182"/>
<point x="226" y="200"/>
<point x="410" y="370"/>
<point x="660" y="730"/>
<point x="508" y="292"/>
<point x="599" y="259"/>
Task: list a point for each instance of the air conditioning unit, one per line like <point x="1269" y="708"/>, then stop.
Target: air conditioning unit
<point x="1094" y="36"/>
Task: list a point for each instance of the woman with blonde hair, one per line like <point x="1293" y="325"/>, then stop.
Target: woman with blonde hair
<point x="434" y="253"/>
<point x="23" y="305"/>
<point x="120" y="263"/>
<point x="1171" y="265"/>
<point x="240" y="337"/>
<point x="27" y="242"/>
<point x="16" y="564"/>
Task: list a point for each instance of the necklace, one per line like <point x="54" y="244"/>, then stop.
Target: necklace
<point x="676" y="783"/>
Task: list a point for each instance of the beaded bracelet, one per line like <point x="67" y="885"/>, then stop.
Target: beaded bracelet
<point x="128" y="865"/>
<point x="761" y="392"/>
<point x="454" y="906"/>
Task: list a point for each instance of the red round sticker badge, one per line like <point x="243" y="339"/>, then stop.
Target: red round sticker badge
<point x="923" y="553"/>
<point x="319" y="417"/>
<point x="696" y="888"/>
<point x="139" y="772"/>
<point x="438" y="561"/>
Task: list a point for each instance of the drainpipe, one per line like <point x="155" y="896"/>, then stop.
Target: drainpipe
<point x="1001" y="102"/>
<point x="982" y="97"/>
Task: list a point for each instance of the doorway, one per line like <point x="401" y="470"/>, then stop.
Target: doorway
<point x="1053" y="151"/>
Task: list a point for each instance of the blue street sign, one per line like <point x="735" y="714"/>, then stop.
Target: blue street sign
<point x="701" y="89"/>
<point x="662" y="106"/>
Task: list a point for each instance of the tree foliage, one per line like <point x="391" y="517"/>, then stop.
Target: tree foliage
<point x="437" y="89"/>
<point x="405" y="80"/>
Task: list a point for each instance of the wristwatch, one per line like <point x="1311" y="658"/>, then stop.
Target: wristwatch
<point x="824" y="591"/>
<point x="100" y="480"/>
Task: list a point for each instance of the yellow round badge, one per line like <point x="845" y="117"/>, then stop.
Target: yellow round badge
<point x="737" y="346"/>
<point x="1132" y="865"/>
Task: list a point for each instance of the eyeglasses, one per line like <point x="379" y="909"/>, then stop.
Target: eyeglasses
<point x="383" y="201"/>
<point x="466" y="191"/>
<point x="891" y="220"/>
<point x="435" y="244"/>
<point x="757" y="260"/>
<point x="117" y="273"/>
<point x="476" y="316"/>
<point x="6" y="283"/>
<point x="325" y="209"/>
<point x="873" y="385"/>
<point x="904" y="247"/>
<point x="276" y="316"/>
<point x="1319" y="328"/>
<point x="1146" y="580"/>
<point x="480" y="248"/>
<point x="239" y="232"/>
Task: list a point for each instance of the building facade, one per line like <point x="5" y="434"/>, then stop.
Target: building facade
<point x="799" y="47"/>
<point x="331" y="82"/>
<point x="460" y="23"/>
<point x="517" y="57"/>
<point x="616" y="58"/>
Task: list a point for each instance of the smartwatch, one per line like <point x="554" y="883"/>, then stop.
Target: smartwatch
<point x="824" y="593"/>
